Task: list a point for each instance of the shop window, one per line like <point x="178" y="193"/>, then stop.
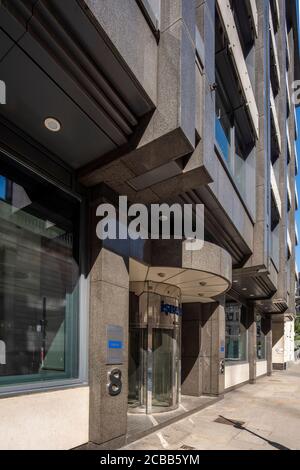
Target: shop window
<point x="235" y="334"/>
<point x="39" y="282"/>
<point x="260" y="340"/>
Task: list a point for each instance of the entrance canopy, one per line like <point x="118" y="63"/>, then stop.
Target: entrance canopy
<point x="201" y="275"/>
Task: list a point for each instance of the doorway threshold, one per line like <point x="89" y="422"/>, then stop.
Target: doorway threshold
<point x="140" y="425"/>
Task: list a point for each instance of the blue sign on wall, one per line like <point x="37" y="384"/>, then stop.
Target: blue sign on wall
<point x="115" y="344"/>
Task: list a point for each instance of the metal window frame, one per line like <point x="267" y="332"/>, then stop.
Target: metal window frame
<point x="275" y="190"/>
<point x="254" y="14"/>
<point x="234" y="362"/>
<point x="150" y="17"/>
<point x="275" y="118"/>
<point x="83" y="327"/>
<point x="200" y="49"/>
<point x="274" y="47"/>
<point x="235" y="48"/>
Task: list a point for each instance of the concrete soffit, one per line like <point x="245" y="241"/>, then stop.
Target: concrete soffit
<point x="201" y="275"/>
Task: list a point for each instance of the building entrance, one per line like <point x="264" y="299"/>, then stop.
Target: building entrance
<point x="154" y="347"/>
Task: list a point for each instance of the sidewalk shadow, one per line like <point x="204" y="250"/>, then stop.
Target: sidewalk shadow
<point x="238" y="425"/>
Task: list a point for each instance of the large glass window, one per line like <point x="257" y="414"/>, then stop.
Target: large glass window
<point x="235" y="334"/>
<point x="260" y="340"/>
<point x="234" y="131"/>
<point x="223" y="133"/>
<point x="39" y="282"/>
<point x="230" y="144"/>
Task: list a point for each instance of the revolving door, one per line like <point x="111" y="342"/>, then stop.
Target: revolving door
<point x="154" y="347"/>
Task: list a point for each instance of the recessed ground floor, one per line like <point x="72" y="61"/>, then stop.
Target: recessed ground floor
<point x="263" y="416"/>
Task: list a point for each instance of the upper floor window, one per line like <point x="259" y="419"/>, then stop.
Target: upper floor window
<point x="234" y="134"/>
<point x="151" y="9"/>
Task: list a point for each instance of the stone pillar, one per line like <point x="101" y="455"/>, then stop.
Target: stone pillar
<point x="267" y="331"/>
<point x="109" y="305"/>
<point x="212" y="350"/>
<point x="191" y="361"/>
<point x="203" y="349"/>
<point x="252" y="354"/>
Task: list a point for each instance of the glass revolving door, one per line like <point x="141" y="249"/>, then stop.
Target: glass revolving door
<point x="137" y="353"/>
<point x="162" y="367"/>
<point x="154" y="347"/>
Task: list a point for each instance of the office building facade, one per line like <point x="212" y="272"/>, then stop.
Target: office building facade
<point x="162" y="101"/>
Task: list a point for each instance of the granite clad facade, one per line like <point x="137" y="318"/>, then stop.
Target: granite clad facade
<point x="164" y="101"/>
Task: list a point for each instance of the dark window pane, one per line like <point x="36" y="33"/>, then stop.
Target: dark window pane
<point x="260" y="340"/>
<point x="235" y="334"/>
<point x="39" y="284"/>
<point x="2" y="187"/>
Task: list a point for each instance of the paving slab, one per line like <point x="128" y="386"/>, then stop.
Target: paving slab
<point x="270" y="410"/>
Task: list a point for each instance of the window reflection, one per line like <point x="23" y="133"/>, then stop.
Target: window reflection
<point x="260" y="339"/>
<point x="38" y="286"/>
<point x="235" y="334"/>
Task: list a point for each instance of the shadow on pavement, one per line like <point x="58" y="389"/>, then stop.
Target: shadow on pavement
<point x="240" y="426"/>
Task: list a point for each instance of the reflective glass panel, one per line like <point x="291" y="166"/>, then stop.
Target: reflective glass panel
<point x="260" y="340"/>
<point x="39" y="283"/>
<point x="162" y="394"/>
<point x="235" y="334"/>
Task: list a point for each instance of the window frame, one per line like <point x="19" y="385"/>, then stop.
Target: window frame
<point x="264" y="358"/>
<point x="152" y="19"/>
<point x="231" y="361"/>
<point x="230" y="163"/>
<point x="83" y="294"/>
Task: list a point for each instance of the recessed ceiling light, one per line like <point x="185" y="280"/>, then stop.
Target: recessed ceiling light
<point x="52" y="124"/>
<point x="244" y="288"/>
<point x="251" y="295"/>
<point x="235" y="281"/>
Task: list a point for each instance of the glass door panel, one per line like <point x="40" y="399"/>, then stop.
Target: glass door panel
<point x="162" y="393"/>
<point x="137" y="351"/>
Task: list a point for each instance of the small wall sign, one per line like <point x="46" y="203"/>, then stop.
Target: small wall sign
<point x="115" y="344"/>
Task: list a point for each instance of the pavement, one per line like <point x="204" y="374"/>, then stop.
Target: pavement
<point x="263" y="416"/>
